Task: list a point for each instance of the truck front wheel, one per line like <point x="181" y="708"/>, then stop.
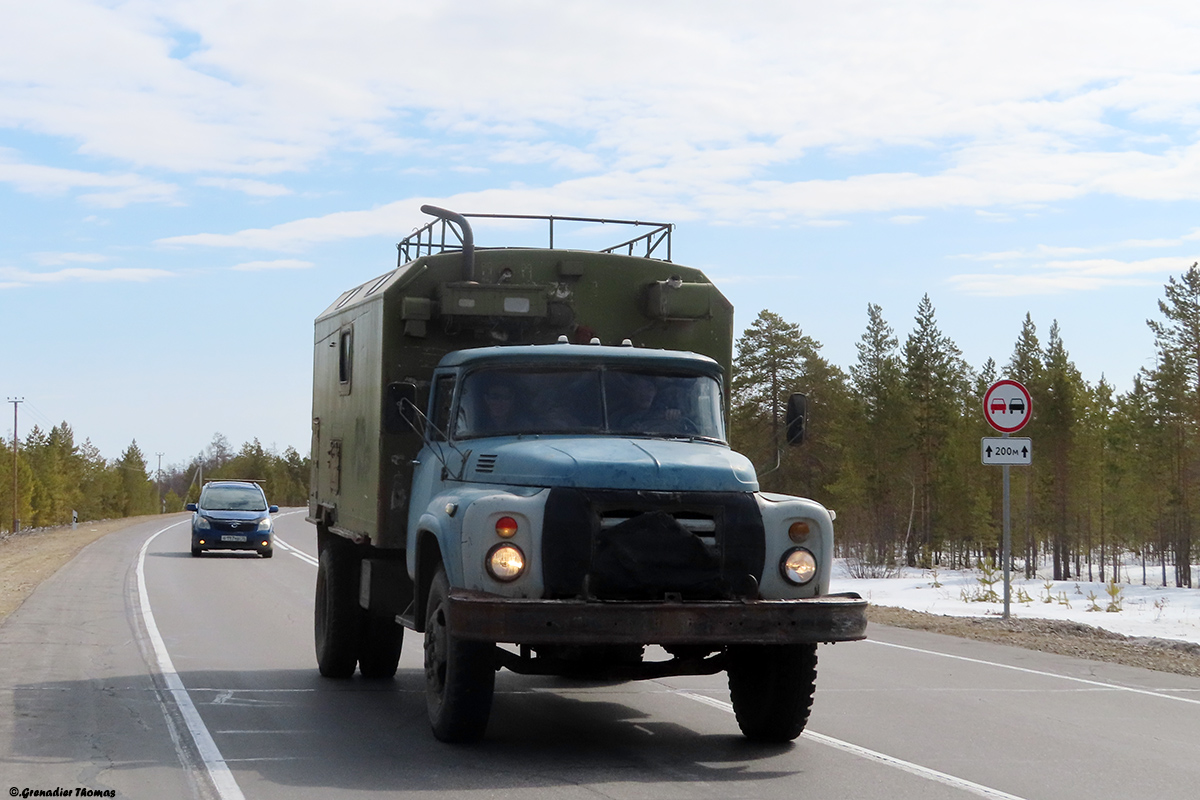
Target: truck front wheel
<point x="772" y="688"/>
<point x="460" y="676"/>
<point x="337" y="619"/>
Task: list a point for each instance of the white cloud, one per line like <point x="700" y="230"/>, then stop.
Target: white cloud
<point x="1025" y="113"/>
<point x="1058" y="277"/>
<point x="393" y="218"/>
<point x="12" y="277"/>
<point x="104" y="190"/>
<point x="1043" y="251"/>
<point x="906" y="219"/>
<point x="246" y="186"/>
<point x="56" y="259"/>
<point x="282" y="263"/>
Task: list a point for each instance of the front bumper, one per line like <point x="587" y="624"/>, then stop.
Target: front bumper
<point x="485" y="617"/>
<point x="218" y="540"/>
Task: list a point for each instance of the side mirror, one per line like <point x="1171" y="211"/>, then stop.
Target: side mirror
<point x="273" y="510"/>
<point x="190" y="506"/>
<point x="797" y="417"/>
<point x="400" y="407"/>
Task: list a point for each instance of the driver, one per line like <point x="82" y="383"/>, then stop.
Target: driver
<point x="651" y="410"/>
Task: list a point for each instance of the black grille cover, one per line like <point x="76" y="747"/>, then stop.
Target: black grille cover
<point x="651" y="554"/>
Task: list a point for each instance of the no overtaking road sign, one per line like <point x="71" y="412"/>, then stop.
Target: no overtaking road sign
<point x="1007" y="406"/>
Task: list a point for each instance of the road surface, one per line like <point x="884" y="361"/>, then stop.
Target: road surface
<point x="139" y="671"/>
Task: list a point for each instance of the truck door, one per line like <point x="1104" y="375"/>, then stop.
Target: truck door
<point x="438" y="461"/>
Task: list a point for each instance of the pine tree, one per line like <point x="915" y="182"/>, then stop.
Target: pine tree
<point x="876" y="444"/>
<point x="1177" y="339"/>
<point x="936" y="383"/>
<point x="1026" y="367"/>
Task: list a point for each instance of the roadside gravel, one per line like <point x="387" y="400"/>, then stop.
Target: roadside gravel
<point x="1053" y="636"/>
<point x="29" y="557"/>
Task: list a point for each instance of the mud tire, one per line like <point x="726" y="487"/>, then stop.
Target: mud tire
<point x="337" y="618"/>
<point x="460" y="676"/>
<point x="772" y="688"/>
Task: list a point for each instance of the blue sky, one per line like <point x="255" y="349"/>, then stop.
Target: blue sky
<point x="185" y="185"/>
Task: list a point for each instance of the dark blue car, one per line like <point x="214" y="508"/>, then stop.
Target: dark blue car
<point x="232" y="515"/>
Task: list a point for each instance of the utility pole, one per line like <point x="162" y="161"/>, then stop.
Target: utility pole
<point x="157" y="483"/>
<point x="15" y="401"/>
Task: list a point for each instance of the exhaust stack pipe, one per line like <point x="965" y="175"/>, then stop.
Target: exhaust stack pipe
<point x="468" y="238"/>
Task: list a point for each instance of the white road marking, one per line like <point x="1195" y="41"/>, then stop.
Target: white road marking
<point x="298" y="553"/>
<point x="218" y="770"/>
<point x="1110" y="686"/>
<point x="862" y="752"/>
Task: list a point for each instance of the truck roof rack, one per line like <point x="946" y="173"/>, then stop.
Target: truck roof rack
<point x="431" y="238"/>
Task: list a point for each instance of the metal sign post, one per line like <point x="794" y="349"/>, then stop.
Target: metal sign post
<point x="1007" y="407"/>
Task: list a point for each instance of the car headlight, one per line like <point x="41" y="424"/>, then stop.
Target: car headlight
<point x="505" y="562"/>
<point x="798" y="566"/>
<point x="202" y="524"/>
<point x="264" y="524"/>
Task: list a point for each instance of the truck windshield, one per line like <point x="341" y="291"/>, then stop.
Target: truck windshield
<point x="597" y="401"/>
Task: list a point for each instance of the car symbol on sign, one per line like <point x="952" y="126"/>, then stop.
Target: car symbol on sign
<point x="998" y="405"/>
<point x="1015" y="406"/>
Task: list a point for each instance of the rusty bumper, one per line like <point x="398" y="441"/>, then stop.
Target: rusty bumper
<point x="486" y="617"/>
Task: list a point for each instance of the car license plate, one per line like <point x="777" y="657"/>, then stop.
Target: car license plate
<point x="231" y="538"/>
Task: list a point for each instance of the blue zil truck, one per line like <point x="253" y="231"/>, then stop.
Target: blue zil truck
<point x="522" y="454"/>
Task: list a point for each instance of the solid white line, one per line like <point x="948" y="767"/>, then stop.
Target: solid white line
<point x="218" y="771"/>
<point x="862" y="752"/>
<point x="1112" y="686"/>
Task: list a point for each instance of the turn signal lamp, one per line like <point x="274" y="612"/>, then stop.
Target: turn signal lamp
<point x="505" y="562"/>
<point x="506" y="527"/>
<point x="798" y="531"/>
<point x="798" y="566"/>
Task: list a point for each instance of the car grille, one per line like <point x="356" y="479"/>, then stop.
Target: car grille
<point x="234" y="525"/>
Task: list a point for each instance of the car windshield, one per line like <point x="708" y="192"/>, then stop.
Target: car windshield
<point x="602" y="400"/>
<point x="233" y="498"/>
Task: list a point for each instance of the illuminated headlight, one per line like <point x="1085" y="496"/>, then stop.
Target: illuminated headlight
<point x="798" y="566"/>
<point x="264" y="524"/>
<point x="505" y="562"/>
<point x="202" y="524"/>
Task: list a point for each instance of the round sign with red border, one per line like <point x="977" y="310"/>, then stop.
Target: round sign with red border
<point x="1007" y="406"/>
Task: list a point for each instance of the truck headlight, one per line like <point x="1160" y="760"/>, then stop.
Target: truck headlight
<point x="505" y="562"/>
<point x="798" y="566"/>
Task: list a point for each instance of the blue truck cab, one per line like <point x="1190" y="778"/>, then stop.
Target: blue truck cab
<point x="490" y="475"/>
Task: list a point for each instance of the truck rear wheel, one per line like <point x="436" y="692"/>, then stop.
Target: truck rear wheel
<point x="772" y="688"/>
<point x="460" y="676"/>
<point x="379" y="648"/>
<point x="337" y="618"/>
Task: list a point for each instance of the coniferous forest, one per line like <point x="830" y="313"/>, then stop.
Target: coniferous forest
<point x="892" y="446"/>
<point x="56" y="475"/>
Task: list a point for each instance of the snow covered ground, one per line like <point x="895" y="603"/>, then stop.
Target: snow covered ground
<point x="1151" y="610"/>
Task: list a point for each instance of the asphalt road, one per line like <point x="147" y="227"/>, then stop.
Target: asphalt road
<point x="148" y="673"/>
